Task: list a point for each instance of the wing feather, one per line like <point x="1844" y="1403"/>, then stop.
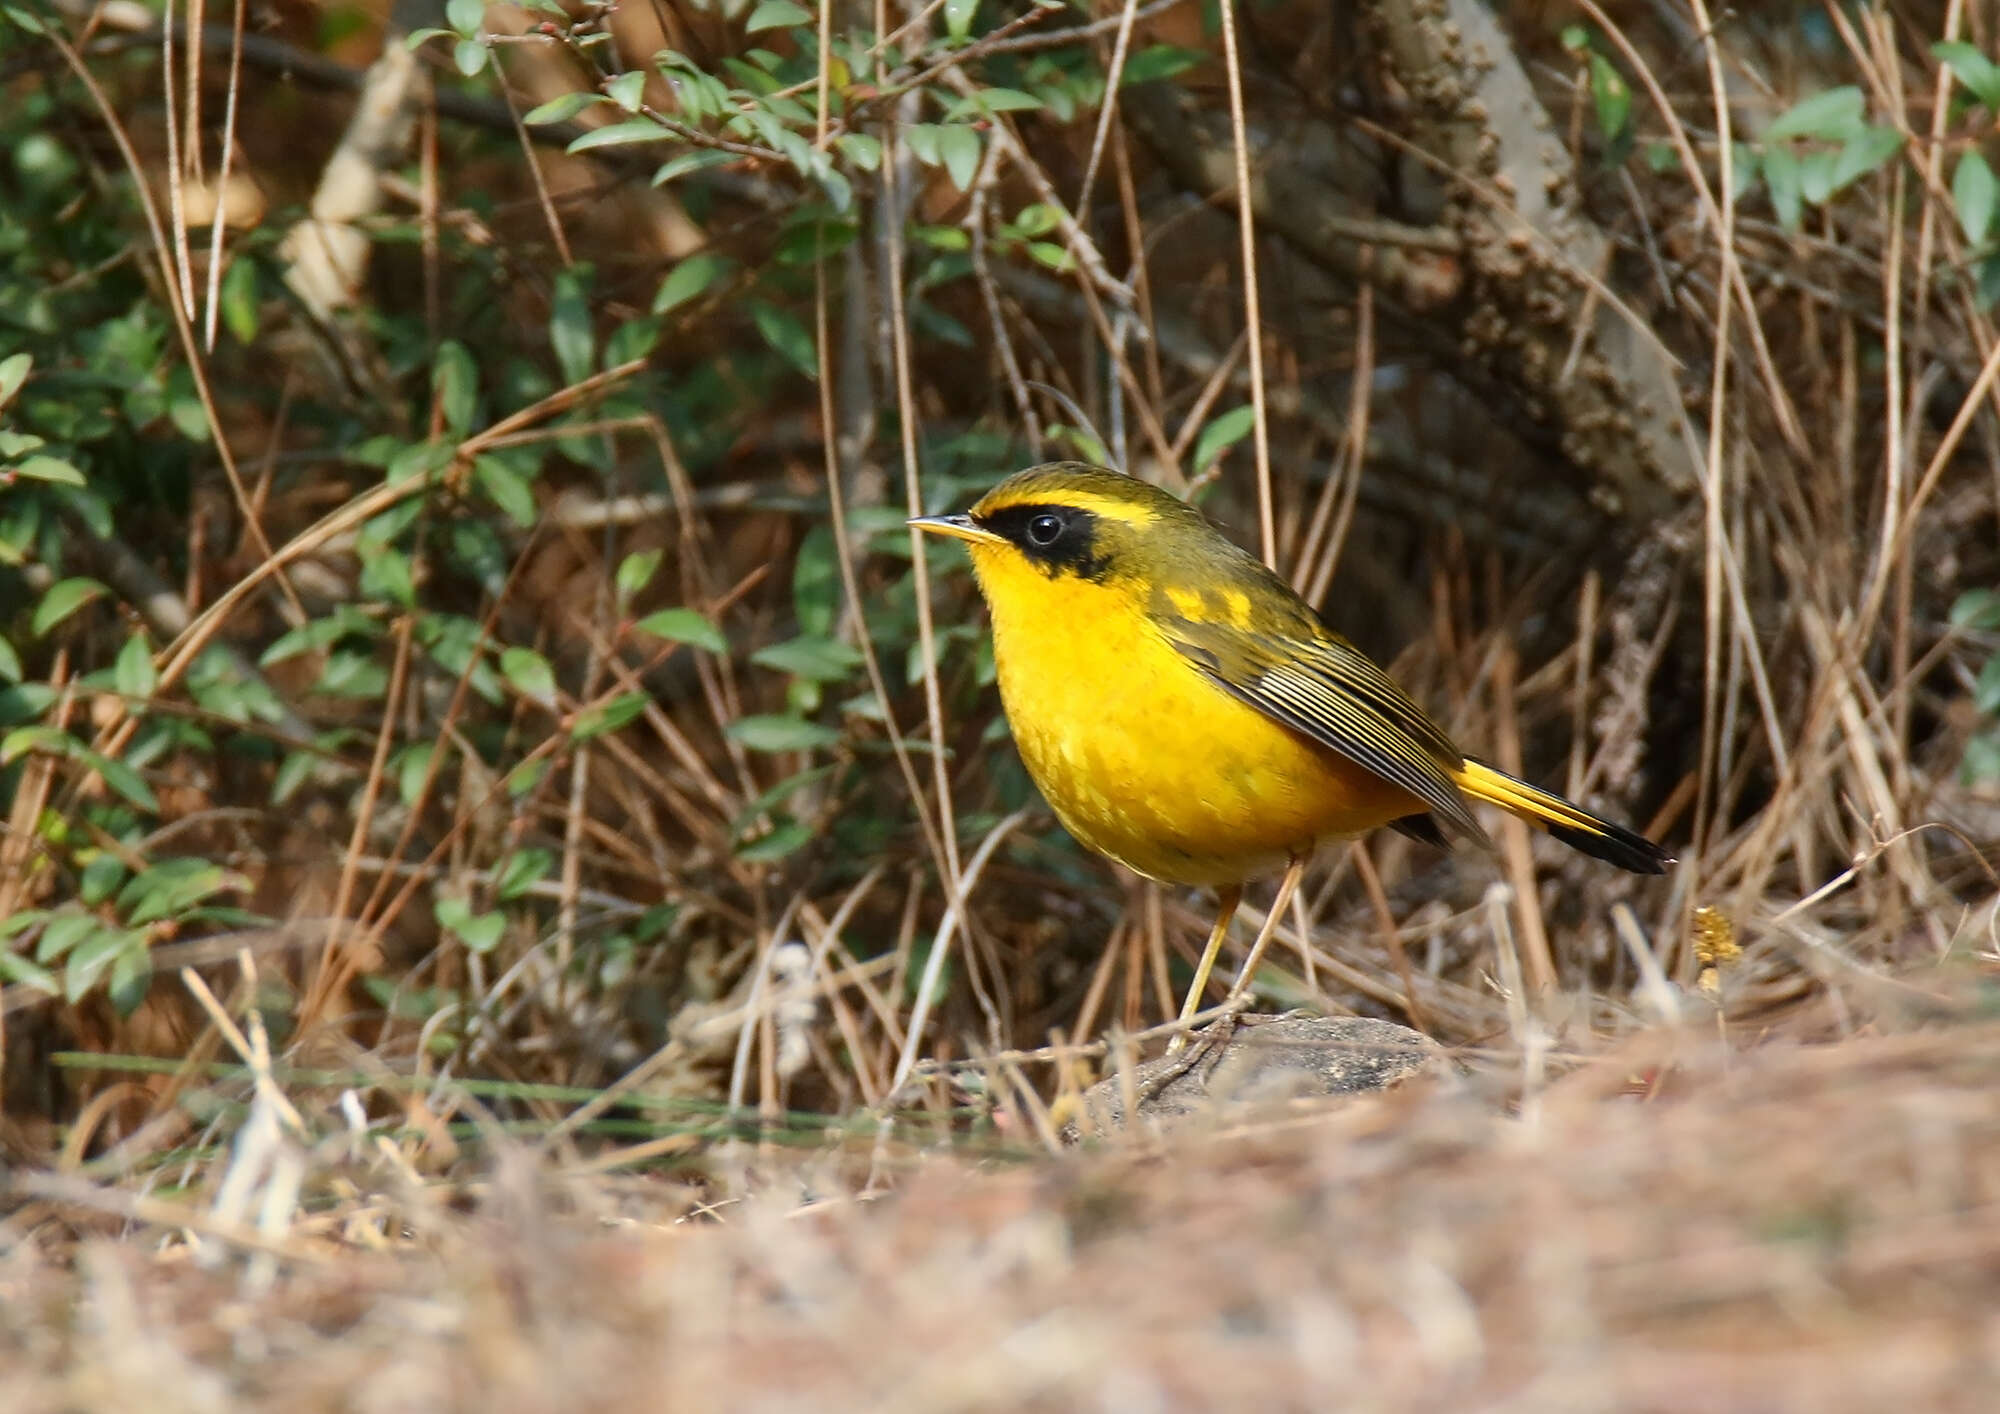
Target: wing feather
<point x="1327" y="690"/>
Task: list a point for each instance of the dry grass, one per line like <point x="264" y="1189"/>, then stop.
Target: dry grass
<point x="1674" y="1225"/>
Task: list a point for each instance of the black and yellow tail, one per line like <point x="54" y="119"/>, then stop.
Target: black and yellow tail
<point x="1575" y="827"/>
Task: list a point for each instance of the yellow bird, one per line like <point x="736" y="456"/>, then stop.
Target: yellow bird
<point x="1188" y="715"/>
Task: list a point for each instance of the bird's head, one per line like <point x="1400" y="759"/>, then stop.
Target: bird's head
<point x="1068" y="521"/>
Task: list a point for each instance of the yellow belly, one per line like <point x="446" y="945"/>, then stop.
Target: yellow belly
<point x="1148" y="762"/>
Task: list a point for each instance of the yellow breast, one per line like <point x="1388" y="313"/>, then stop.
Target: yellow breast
<point x="1145" y="760"/>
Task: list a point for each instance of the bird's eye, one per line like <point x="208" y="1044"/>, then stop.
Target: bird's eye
<point x="1044" y="529"/>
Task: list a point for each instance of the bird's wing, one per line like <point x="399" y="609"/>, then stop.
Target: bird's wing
<point x="1326" y="689"/>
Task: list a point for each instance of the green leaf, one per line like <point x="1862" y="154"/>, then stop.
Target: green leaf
<point x="633" y="339"/>
<point x="1064" y="93"/>
<point x="919" y="966"/>
<point x="958" y="15"/>
<point x="506" y="487"/>
<point x="239" y="300"/>
<point x="1986" y="278"/>
<point x="413" y="765"/>
<point x="480" y="932"/>
<point x="1744" y="168"/>
<point x="569" y="327"/>
<point x="1863" y="153"/>
<point x="134" y="672"/>
<point x="777" y="14"/>
<point x="635" y="572"/>
<point x="782" y="839"/>
<point x="387" y="574"/>
<point x="172" y="887"/>
<point x="414" y="462"/>
<point x="1816" y="175"/>
<point x="809" y="241"/>
<point x="1781" y="179"/>
<point x="1975" y="193"/>
<point x="218" y="686"/>
<point x="1982" y="759"/>
<point x="986" y="102"/>
<point x="1832" y="115"/>
<point x="1048" y="253"/>
<point x="784" y="790"/>
<point x="942" y="237"/>
<point x="787" y="336"/>
<point x="469" y="57"/>
<point x="702" y="95"/>
<point x="1977" y="610"/>
<point x="101" y="877"/>
<point x="1159" y="61"/>
<point x="22" y="740"/>
<point x="1087" y="445"/>
<point x="560" y="109"/>
<point x="184" y="407"/>
<point x="25" y="701"/>
<point x="1037" y="219"/>
<point x="839" y="190"/>
<point x="48" y="469"/>
<point x="521" y="871"/>
<point x="816" y="584"/>
<point x="690" y="162"/>
<point x="923" y="139"/>
<point x="1611" y="96"/>
<point x="619" y="134"/>
<point x="1221" y="434"/>
<point x="15" y="924"/>
<point x="455" y="385"/>
<point x="958" y="146"/>
<point x="862" y="150"/>
<point x="529" y="673"/>
<point x="609" y="716"/>
<point x="682" y="625"/>
<point x="778" y="733"/>
<point x="529" y="774"/>
<point x="17" y="970"/>
<point x="690" y="279"/>
<point x="810" y="656"/>
<point x="316" y="634"/>
<point x="1972" y="68"/>
<point x="64" y="931"/>
<point x="628" y="90"/>
<point x="10" y="662"/>
<point x="120" y="777"/>
<point x="465" y="16"/>
<point x="1986" y="688"/>
<point x="88" y="960"/>
<point x="356" y="676"/>
<point x="64" y="598"/>
<point x="131" y="975"/>
<point x="13" y="373"/>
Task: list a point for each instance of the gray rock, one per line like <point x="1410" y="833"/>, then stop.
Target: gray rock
<point x="1257" y="1063"/>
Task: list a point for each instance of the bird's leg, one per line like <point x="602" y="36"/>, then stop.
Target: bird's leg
<point x="1289" y="886"/>
<point x="1226" y="899"/>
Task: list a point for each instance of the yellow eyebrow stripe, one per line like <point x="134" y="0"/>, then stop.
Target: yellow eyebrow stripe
<point x="1103" y="507"/>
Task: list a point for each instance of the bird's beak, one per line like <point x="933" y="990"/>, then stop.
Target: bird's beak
<point x="957" y="527"/>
